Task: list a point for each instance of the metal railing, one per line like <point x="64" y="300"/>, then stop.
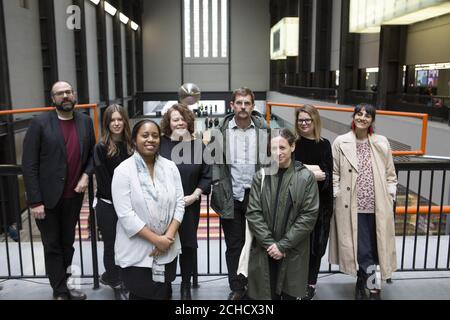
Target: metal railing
<point x="423" y="214"/>
<point x="416" y="222"/>
<point x="92" y="107"/>
<point x="422" y="116"/>
<point x="422" y="228"/>
<point x="437" y="107"/>
<point x="25" y="250"/>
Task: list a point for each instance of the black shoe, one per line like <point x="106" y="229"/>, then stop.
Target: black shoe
<point x="185" y="291"/>
<point x="13" y="233"/>
<point x="310" y="293"/>
<point x="76" y="295"/>
<point x="121" y="293"/>
<point x="113" y="284"/>
<point x="61" y="296"/>
<point x="236" y="295"/>
<point x="374" y="295"/>
<point x="360" y="289"/>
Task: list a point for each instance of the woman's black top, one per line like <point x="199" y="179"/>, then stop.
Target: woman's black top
<point x="319" y="153"/>
<point x="195" y="173"/>
<point x="104" y="167"/>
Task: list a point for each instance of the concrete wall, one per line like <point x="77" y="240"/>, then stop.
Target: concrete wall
<point x="250" y="44"/>
<point x="336" y="35"/>
<point x="209" y="77"/>
<point x="92" y="52"/>
<point x="428" y="41"/>
<point x="249" y="54"/>
<point x="24" y="54"/>
<point x="369" y="50"/>
<point x="161" y="31"/>
<point x="65" y="44"/>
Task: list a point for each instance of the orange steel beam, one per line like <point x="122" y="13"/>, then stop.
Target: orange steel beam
<point x="46" y="109"/>
<point x="422" y="116"/>
<point x="423" y="210"/>
<point x="399" y="211"/>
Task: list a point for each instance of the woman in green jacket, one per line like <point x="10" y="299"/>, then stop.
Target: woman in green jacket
<point x="281" y="214"/>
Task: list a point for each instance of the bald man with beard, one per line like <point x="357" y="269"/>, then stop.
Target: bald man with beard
<point x="57" y="161"/>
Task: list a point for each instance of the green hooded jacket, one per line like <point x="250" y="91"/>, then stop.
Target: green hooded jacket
<point x="288" y="223"/>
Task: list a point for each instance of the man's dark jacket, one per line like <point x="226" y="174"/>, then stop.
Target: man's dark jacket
<point x="222" y="200"/>
<point x="44" y="159"/>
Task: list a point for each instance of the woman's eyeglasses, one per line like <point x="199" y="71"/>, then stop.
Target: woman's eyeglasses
<point x="305" y="121"/>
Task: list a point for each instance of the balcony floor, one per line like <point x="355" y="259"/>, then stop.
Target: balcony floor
<point x="429" y="285"/>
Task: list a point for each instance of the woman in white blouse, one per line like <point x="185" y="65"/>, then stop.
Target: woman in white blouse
<point x="148" y="198"/>
<point x="362" y="233"/>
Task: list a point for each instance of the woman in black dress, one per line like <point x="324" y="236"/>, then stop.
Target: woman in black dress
<point x="179" y="145"/>
<point x="315" y="152"/>
<point x="114" y="147"/>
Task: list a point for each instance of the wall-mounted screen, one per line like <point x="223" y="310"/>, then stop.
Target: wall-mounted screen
<point x="284" y="37"/>
<point x="433" y="76"/>
<point x="276" y="41"/>
<point x="422" y="78"/>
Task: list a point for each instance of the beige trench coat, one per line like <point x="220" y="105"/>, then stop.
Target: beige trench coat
<point x="344" y="223"/>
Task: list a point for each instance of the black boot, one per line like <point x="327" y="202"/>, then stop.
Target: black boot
<point x="375" y="295"/>
<point x="310" y="293"/>
<point x="360" y="288"/>
<point x="121" y="293"/>
<point x="185" y="291"/>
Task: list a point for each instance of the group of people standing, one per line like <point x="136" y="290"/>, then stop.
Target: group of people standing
<point x="150" y="179"/>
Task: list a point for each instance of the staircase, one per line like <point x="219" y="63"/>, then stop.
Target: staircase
<point x="202" y="232"/>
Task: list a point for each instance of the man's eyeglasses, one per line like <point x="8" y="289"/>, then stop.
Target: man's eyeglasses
<point x="305" y="121"/>
<point x="60" y="94"/>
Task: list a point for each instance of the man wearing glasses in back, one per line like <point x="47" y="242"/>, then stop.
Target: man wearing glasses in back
<point x="57" y="160"/>
<point x="232" y="180"/>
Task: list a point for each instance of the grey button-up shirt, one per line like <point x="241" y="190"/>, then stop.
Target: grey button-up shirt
<point x="243" y="156"/>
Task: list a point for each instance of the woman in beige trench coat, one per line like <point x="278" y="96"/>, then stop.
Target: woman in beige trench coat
<point x="362" y="231"/>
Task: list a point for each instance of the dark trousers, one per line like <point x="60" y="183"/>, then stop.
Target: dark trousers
<point x="107" y="222"/>
<point x="318" y="245"/>
<point x="234" y="232"/>
<point x="187" y="261"/>
<point x="58" y="235"/>
<point x="314" y="268"/>
<point x="141" y="285"/>
<point x="367" y="244"/>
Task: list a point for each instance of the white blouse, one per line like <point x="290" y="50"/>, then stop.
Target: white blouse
<point x="132" y="212"/>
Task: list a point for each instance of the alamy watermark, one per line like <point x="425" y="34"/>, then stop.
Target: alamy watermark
<point x="73" y="21"/>
<point x="373" y="281"/>
<point x="218" y="153"/>
<point x="74" y="281"/>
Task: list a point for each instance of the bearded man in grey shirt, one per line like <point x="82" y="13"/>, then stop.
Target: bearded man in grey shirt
<point x="232" y="180"/>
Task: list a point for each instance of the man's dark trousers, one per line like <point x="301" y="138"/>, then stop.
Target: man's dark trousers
<point x="234" y="232"/>
<point x="58" y="235"/>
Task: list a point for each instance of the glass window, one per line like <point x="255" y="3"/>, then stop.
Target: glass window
<point x="205" y="29"/>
